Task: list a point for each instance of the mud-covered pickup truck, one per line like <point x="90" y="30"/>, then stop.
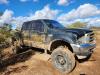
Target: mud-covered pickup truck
<point x="62" y="43"/>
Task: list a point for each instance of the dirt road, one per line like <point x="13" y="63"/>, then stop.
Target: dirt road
<point x="36" y="65"/>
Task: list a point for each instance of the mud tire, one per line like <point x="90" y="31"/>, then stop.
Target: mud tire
<point x="63" y="59"/>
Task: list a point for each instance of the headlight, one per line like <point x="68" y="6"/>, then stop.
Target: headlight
<point x="87" y="38"/>
<point x="82" y="40"/>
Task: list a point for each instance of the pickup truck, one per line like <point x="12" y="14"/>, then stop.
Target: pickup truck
<point x="63" y="44"/>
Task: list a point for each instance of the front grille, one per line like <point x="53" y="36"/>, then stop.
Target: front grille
<point x="91" y="37"/>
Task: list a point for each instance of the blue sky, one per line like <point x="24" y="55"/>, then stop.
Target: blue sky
<point x="29" y="6"/>
<point x="61" y="10"/>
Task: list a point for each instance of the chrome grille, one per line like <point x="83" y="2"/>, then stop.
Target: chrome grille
<point x="91" y="37"/>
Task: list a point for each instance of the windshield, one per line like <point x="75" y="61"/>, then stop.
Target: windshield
<point x="54" y="24"/>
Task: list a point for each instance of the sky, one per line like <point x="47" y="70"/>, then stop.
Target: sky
<point x="16" y="12"/>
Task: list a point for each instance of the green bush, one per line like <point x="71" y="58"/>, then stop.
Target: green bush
<point x="2" y="38"/>
<point x="5" y="34"/>
<point x="77" y="25"/>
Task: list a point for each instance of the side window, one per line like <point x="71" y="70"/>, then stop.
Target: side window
<point x="37" y="26"/>
<point x="49" y="24"/>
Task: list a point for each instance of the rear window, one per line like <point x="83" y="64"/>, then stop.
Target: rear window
<point x="26" y="26"/>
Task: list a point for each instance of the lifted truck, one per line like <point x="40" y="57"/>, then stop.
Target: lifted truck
<point x="62" y="43"/>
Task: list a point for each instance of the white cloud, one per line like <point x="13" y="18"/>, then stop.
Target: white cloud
<point x="45" y="13"/>
<point x="88" y="10"/>
<point x="83" y="11"/>
<point x="90" y="21"/>
<point x="28" y="0"/>
<point x="94" y="22"/>
<point x="6" y="17"/>
<point x="64" y="2"/>
<point x="18" y="21"/>
<point x="4" y="1"/>
<point x="23" y="0"/>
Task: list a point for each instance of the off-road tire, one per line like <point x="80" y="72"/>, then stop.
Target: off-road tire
<point x="63" y="59"/>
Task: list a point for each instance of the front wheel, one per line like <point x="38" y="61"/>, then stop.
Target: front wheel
<point x="63" y="59"/>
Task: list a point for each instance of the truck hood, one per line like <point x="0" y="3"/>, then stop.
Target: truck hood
<point x="78" y="32"/>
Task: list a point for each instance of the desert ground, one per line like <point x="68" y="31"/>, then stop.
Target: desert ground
<point x="38" y="65"/>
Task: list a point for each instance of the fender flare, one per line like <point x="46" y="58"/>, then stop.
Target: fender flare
<point x="67" y="41"/>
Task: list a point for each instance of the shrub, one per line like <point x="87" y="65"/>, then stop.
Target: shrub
<point x="77" y="25"/>
<point x="2" y="38"/>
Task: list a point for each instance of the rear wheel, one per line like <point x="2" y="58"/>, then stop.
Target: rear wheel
<point x="63" y="59"/>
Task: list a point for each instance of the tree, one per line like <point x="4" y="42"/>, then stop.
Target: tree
<point x="8" y="27"/>
<point x="77" y="25"/>
<point x="5" y="32"/>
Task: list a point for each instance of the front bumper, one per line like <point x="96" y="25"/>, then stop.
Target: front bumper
<point x="83" y="50"/>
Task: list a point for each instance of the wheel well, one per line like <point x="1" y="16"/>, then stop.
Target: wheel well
<point x="57" y="43"/>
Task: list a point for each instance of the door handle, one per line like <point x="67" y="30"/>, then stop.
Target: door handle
<point x="50" y="35"/>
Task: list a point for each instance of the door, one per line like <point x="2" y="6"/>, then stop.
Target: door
<point x="37" y="34"/>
